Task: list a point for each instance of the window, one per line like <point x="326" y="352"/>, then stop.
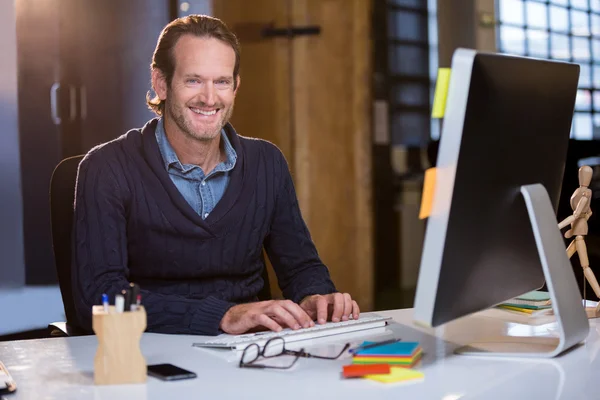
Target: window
<point x="566" y="30"/>
<point x="409" y="69"/>
<point x="433" y="61"/>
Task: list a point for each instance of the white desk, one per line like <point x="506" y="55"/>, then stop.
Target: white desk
<point x="62" y="368"/>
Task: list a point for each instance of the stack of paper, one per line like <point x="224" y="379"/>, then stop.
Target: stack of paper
<point x="400" y="354"/>
<point x="386" y="363"/>
<point x="532" y="303"/>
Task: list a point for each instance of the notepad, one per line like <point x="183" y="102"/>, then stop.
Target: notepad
<point x="529" y="311"/>
<point x="525" y="306"/>
<point x="398" y="375"/>
<point x="398" y="349"/>
<point x="396" y="362"/>
<point x="441" y="93"/>
<point x="535" y="297"/>
<point x="401" y="354"/>
<point x="353" y="371"/>
<point x="529" y="302"/>
<point x="427" y="195"/>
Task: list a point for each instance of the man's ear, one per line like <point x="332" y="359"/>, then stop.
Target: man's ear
<point x="159" y="84"/>
<point x="237" y="85"/>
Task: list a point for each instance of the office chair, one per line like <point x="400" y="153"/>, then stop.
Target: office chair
<point x="62" y="196"/>
<point x="62" y="199"/>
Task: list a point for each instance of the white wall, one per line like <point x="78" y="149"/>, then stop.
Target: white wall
<point x="12" y="267"/>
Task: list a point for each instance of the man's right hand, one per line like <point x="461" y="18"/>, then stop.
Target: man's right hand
<point x="273" y="315"/>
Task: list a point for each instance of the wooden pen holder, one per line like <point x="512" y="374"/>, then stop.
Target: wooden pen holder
<point x="119" y="358"/>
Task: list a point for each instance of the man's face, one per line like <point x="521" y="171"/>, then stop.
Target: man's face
<point x="201" y="95"/>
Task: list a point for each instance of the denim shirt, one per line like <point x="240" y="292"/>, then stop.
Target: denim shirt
<point x="202" y="192"/>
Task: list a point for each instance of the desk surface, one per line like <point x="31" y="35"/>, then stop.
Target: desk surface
<point x="62" y="368"/>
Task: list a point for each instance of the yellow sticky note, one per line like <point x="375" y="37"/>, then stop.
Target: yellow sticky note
<point x="441" y="93"/>
<point x="397" y="374"/>
<point x="427" y="196"/>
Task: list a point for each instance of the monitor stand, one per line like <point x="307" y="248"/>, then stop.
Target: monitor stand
<point x="571" y="319"/>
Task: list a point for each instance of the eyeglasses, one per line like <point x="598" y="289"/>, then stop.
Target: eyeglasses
<point x="275" y="347"/>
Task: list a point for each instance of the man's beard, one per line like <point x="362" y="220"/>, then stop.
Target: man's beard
<point x="178" y="115"/>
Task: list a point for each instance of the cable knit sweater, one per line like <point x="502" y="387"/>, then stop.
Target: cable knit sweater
<point x="132" y="225"/>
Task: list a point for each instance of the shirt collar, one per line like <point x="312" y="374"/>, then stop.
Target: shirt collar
<point x="170" y="157"/>
<point x="230" y="154"/>
<point x="166" y="150"/>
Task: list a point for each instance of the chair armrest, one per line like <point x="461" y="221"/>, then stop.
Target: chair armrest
<point x="59" y="329"/>
<point x="63" y="329"/>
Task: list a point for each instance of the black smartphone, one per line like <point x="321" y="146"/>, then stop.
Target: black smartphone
<point x="169" y="372"/>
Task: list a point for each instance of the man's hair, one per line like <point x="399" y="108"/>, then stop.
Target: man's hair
<point x="201" y="26"/>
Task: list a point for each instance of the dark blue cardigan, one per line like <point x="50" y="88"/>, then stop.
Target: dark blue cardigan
<point x="132" y="225"/>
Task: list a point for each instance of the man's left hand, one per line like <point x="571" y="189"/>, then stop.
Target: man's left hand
<point x="339" y="306"/>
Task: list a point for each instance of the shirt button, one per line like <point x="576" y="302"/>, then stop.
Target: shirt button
<point x="203" y="183"/>
<point x="205" y="215"/>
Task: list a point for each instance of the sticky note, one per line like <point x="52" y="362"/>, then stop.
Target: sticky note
<point x="398" y="375"/>
<point x="355" y="370"/>
<point x="441" y="93"/>
<point x="427" y="196"/>
<point x="398" y="349"/>
<point x="395" y="361"/>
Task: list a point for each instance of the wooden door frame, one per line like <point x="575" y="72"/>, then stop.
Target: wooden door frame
<point x="363" y="269"/>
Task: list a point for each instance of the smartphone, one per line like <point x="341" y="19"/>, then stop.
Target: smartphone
<point x="169" y="372"/>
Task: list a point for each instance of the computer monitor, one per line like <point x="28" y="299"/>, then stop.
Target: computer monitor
<point x="492" y="233"/>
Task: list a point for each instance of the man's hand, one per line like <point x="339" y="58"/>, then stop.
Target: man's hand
<point x="273" y="315"/>
<point x="337" y="305"/>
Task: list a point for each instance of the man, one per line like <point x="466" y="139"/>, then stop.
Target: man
<point x="184" y="207"/>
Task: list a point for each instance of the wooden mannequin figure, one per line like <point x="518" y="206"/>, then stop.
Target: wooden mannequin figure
<point x="580" y="203"/>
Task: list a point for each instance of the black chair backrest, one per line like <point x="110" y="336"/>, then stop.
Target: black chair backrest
<point x="62" y="200"/>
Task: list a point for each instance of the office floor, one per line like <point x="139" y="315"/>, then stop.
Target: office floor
<point x="29" y="309"/>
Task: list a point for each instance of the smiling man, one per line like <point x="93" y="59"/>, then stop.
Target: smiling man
<point x="185" y="206"/>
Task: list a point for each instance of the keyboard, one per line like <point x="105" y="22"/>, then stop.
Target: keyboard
<point x="239" y="342"/>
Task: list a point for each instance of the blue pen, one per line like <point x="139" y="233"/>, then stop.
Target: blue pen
<point x="105" y="302"/>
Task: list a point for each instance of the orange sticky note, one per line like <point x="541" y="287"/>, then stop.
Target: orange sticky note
<point x="427" y="196"/>
<point x="354" y="370"/>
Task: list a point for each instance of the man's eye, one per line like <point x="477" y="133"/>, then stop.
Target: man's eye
<point x="223" y="82"/>
<point x="192" y="81"/>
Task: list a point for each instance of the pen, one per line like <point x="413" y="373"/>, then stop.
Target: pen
<point x="127" y="299"/>
<point x="119" y="303"/>
<point x="134" y="291"/>
<point x="370" y="346"/>
<point x="105" y="302"/>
